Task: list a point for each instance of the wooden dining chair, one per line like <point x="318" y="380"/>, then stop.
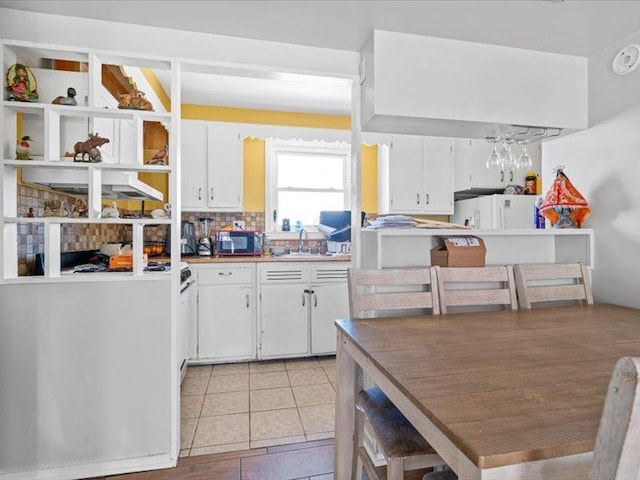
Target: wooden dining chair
<point x="406" y="288"/>
<point x="401" y="445"/>
<point x="476" y="286"/>
<point x="618" y="441"/>
<point x="530" y="290"/>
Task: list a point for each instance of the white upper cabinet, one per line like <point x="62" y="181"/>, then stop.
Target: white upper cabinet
<point x="438" y="175"/>
<point x="212" y="167"/>
<point x="415" y="176"/>
<point x="405" y="174"/>
<point x="194" y="165"/>
<point x="225" y="168"/>
<point x="471" y="172"/>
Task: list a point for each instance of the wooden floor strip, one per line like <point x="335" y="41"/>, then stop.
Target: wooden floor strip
<point x="307" y="460"/>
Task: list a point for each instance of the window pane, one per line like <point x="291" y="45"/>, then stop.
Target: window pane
<point x="306" y="206"/>
<point x="310" y="171"/>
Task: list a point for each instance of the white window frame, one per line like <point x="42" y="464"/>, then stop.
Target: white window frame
<point x="275" y="146"/>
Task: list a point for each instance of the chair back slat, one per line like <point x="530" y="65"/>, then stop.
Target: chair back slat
<point x="458" y="298"/>
<point x="392" y="301"/>
<point x="404" y="288"/>
<point x="576" y="273"/>
<point x="618" y="441"/>
<point x="480" y="295"/>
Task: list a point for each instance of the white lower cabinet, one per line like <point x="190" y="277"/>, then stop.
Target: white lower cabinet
<point x="226" y="312"/>
<point x="298" y="304"/>
<point x="283" y="317"/>
<point x="330" y="302"/>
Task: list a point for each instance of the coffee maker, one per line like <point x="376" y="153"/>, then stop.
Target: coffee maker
<point x="205" y="244"/>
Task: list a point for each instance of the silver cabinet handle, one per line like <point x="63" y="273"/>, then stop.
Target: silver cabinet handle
<point x="212" y="193"/>
<point x="417" y="199"/>
<point x="304" y="299"/>
<point x="225" y="274"/>
<point x="247" y="297"/>
<point x="502" y="175"/>
<point x="315" y="299"/>
<point x="200" y="193"/>
<point x="426" y="196"/>
<point x="511" y="175"/>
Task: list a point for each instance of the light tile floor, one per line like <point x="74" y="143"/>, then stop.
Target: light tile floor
<point x="258" y="404"/>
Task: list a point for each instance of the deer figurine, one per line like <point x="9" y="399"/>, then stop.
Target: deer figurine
<point x="89" y="147"/>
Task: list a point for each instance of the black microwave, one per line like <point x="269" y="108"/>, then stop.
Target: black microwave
<point x="238" y="242"/>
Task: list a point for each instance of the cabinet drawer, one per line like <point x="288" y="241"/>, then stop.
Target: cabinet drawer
<point x="226" y="275"/>
<point x="330" y="273"/>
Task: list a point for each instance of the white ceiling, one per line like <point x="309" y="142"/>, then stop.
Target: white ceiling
<point x="573" y="27"/>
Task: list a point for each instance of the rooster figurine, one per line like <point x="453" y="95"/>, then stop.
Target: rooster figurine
<point x="23" y="149"/>
<point x="160" y="158"/>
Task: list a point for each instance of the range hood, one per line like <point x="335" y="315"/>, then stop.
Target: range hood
<point x="115" y="184"/>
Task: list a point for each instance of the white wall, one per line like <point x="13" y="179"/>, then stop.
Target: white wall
<point x="84" y="375"/>
<point x="603" y="163"/>
<point x="121" y="37"/>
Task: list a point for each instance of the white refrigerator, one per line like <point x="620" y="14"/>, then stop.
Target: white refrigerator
<point x="495" y="211"/>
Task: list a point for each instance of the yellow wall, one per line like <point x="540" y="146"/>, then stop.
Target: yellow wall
<point x="254" y="153"/>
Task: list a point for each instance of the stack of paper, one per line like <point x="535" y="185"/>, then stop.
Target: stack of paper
<point x="393" y="221"/>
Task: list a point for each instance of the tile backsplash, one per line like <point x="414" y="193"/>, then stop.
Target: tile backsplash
<point x="74" y="236"/>
<point x="220" y="220"/>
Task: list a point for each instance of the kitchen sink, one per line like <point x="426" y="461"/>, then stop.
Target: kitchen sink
<point x="301" y="254"/>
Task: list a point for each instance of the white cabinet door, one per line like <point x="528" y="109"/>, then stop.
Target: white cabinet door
<point x="184" y="328"/>
<point x="481" y="176"/>
<point x="437" y="197"/>
<point x="194" y="165"/>
<point x="284" y="320"/>
<point x="193" y="323"/>
<point x="405" y="174"/>
<point x="517" y="176"/>
<point x="471" y="166"/>
<point x="224" y="190"/>
<point x="328" y="303"/>
<point x="226" y="322"/>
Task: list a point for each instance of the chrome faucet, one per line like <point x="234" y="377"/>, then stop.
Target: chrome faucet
<point x="306" y="235"/>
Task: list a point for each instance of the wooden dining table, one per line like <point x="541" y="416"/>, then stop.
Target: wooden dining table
<point x="499" y="395"/>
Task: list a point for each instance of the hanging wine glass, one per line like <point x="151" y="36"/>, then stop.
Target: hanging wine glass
<point x="525" y="159"/>
<point x="493" y="159"/>
<point x="506" y="156"/>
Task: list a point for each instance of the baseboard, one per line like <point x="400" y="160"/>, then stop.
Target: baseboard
<point x="116" y="467"/>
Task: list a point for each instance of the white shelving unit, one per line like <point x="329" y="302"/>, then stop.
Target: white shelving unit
<point x="411" y="247"/>
<point x="50" y="161"/>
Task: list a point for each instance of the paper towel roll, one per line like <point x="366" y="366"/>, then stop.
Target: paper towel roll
<point x="325" y="229"/>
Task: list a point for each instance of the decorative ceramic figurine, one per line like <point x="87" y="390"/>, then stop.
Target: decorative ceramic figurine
<point x="90" y="148"/>
<point x="111" y="212"/>
<point x="164" y="212"/>
<point x="55" y="208"/>
<point x="70" y="99"/>
<point x="21" y="84"/>
<point x="23" y="149"/>
<point x="79" y="208"/>
<point x="134" y="100"/>
<point x="160" y="158"/>
<point x="563" y="205"/>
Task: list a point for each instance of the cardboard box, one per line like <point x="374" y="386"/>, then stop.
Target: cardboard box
<point x="459" y="251"/>
<point x="125" y="261"/>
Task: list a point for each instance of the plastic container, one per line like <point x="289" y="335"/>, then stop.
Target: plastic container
<point x="538" y="218"/>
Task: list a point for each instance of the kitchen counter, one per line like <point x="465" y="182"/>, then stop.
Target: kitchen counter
<point x="273" y="259"/>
